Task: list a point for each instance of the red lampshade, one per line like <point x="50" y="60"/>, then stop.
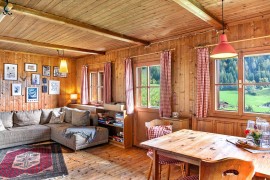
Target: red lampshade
<point x="223" y="49"/>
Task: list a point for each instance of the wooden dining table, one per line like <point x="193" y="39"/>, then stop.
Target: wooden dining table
<point x="194" y="146"/>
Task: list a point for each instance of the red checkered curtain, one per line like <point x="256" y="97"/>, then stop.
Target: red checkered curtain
<point x="203" y="82"/>
<point x="84" y="86"/>
<point x="107" y="83"/>
<point x="129" y="86"/>
<point x="165" y="109"/>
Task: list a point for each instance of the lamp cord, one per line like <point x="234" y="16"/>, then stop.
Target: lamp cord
<point x="222" y="19"/>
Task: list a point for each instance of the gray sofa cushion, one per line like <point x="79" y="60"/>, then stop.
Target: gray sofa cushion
<point x="7" y="119"/>
<point x="2" y="127"/>
<point x="57" y="117"/>
<point x="26" y="118"/>
<point x="93" y="119"/>
<point x="80" y="118"/>
<point x="46" y="115"/>
<point x="25" y="134"/>
<point x="68" y="114"/>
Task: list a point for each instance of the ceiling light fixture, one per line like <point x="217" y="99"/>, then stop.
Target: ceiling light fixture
<point x="6" y="10"/>
<point x="223" y="50"/>
<point x="63" y="64"/>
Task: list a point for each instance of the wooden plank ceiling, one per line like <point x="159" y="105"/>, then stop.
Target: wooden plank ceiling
<point x="146" y="21"/>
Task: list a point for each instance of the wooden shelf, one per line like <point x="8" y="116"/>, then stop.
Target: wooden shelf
<point x="110" y="125"/>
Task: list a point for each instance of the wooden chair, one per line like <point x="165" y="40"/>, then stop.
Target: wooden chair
<point x="158" y="128"/>
<point x="224" y="169"/>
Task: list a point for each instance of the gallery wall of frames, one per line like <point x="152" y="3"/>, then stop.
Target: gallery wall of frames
<point x="30" y="81"/>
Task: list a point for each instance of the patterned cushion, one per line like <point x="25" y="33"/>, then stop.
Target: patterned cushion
<point x="57" y="117"/>
<point x="157" y="131"/>
<point x="2" y="128"/>
<point x="193" y="177"/>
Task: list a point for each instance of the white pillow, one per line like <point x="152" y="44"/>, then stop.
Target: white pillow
<point x="57" y="117"/>
<point x="2" y="127"/>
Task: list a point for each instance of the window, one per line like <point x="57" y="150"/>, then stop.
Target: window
<point x="96" y="87"/>
<point x="243" y="85"/>
<point x="148" y="86"/>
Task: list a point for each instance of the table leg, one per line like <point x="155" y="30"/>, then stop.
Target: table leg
<point x="156" y="165"/>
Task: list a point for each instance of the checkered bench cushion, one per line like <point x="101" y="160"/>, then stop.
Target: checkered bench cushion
<point x="164" y="159"/>
<point x="157" y="131"/>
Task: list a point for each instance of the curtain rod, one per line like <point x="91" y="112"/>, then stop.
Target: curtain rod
<point x="151" y="53"/>
<point x="248" y="39"/>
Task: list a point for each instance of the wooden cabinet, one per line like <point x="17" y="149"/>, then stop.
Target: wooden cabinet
<point x="178" y="123"/>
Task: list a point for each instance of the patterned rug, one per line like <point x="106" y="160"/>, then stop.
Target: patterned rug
<point x="32" y="162"/>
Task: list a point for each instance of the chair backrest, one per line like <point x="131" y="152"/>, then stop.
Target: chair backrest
<point x="157" y="128"/>
<point x="232" y="169"/>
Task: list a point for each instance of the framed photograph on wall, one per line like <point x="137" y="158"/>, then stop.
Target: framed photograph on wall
<point x="30" y="67"/>
<point x="55" y="71"/>
<point x="35" y="80"/>
<point x="32" y="94"/>
<point x="44" y="89"/>
<point x="16" y="89"/>
<point x="63" y="75"/>
<point x="46" y="70"/>
<point x="11" y="72"/>
<point x="54" y="87"/>
<point x="44" y="80"/>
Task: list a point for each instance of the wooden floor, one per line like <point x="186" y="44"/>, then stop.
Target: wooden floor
<point x="110" y="162"/>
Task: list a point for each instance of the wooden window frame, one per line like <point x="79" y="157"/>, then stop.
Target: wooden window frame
<point x="97" y="86"/>
<point x="240" y="114"/>
<point x="136" y="66"/>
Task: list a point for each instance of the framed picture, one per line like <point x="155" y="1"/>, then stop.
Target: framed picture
<point x="32" y="94"/>
<point x="44" y="89"/>
<point x="54" y="87"/>
<point x="30" y="67"/>
<point x="16" y="89"/>
<point x="46" y="70"/>
<point x="55" y="71"/>
<point x="35" y="79"/>
<point x="44" y="80"/>
<point x="11" y="72"/>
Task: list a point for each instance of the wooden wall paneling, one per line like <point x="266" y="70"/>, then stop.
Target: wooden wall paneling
<point x="225" y="127"/>
<point x="241" y="127"/>
<point x="206" y="125"/>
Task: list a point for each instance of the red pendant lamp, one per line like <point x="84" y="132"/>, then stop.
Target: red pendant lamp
<point x="223" y="50"/>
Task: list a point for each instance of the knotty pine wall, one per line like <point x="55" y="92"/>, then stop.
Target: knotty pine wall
<point x="18" y="103"/>
<point x="183" y="66"/>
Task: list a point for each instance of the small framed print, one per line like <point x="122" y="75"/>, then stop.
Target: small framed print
<point x="35" y="79"/>
<point x="30" y="67"/>
<point x="16" y="89"/>
<point x="55" y="71"/>
<point x="54" y="87"/>
<point x="11" y="72"/>
<point x="44" y="89"/>
<point x="46" y="70"/>
<point x="63" y="75"/>
<point x="32" y="94"/>
<point x="44" y="80"/>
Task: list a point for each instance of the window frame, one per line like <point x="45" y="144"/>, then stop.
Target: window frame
<point x="97" y="86"/>
<point x="240" y="83"/>
<point x="148" y="86"/>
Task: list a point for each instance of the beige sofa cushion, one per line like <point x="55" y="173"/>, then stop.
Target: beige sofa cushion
<point x="46" y="115"/>
<point x="26" y="118"/>
<point x="7" y="119"/>
<point x="2" y="127"/>
<point x="57" y="117"/>
<point x="80" y="118"/>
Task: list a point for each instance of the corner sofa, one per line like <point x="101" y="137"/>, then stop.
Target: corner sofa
<point x="25" y="127"/>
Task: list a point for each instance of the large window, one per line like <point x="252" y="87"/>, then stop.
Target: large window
<point x="148" y="86"/>
<point x="243" y="85"/>
<point x="96" y="87"/>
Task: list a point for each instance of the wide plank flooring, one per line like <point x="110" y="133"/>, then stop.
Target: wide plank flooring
<point x="110" y="162"/>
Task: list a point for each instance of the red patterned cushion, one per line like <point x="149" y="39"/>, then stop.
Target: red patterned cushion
<point x="157" y="131"/>
<point x="163" y="159"/>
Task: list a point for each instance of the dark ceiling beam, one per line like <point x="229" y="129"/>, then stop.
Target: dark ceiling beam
<point x="198" y="10"/>
<point x="75" y="24"/>
<point x="48" y="45"/>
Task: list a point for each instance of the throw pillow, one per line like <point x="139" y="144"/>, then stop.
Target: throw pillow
<point x="80" y="118"/>
<point x="68" y="114"/>
<point x="2" y="128"/>
<point x="26" y="118"/>
<point x="157" y="131"/>
<point x="7" y="119"/>
<point x="46" y="115"/>
<point x="57" y="117"/>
